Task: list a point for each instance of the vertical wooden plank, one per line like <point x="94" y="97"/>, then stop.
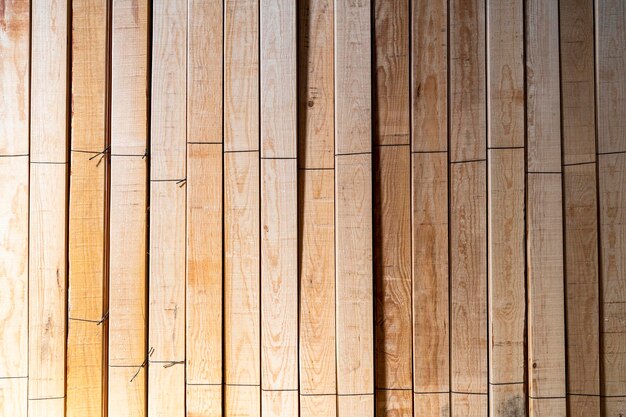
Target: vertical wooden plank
<point x="506" y="268"/>
<point x="204" y="400"/>
<point x="279" y="202"/>
<point x="316" y="200"/>
<point x="242" y="375"/>
<point x="86" y="280"/>
<point x="128" y="210"/>
<point x="468" y="267"/>
<point x="14" y="207"/>
<point x="467" y="80"/>
<point x="429" y="70"/>
<point x="431" y="322"/>
<point x="612" y="195"/>
<point x="353" y="208"/>
<point x="48" y="208"/>
<point x="610" y="77"/>
<point x="204" y="277"/>
<point x="396" y="403"/>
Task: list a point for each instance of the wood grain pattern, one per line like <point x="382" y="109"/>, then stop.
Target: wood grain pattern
<point x="467" y="80"/>
<point x="14" y="77"/>
<point x="355" y="406"/>
<point x="203" y="310"/>
<point x="431" y="404"/>
<point x="279" y="403"/>
<point x="166" y="390"/>
<point x="469" y="405"/>
<point x="506" y="268"/>
<point x="13" y="396"/>
<point x="546" y="321"/>
<point x="507" y="400"/>
<point x="505" y="73"/>
<point x="204" y="400"/>
<point x="431" y="322"/>
<point x="468" y="321"/>
<point x="391" y="78"/>
<point x="429" y="71"/>
<point x="242" y="401"/>
<point x="315" y="405"/>
<point x="395" y="403"/>
<point x="553" y="407"/>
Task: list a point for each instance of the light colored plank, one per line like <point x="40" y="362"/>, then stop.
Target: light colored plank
<point x="583" y="406"/>
<point x="610" y="26"/>
<point x="278" y="79"/>
<point x="204" y="400"/>
<point x="242" y="401"/>
<point x="169" y="82"/>
<point x="318" y="405"/>
<point x="468" y="257"/>
<point x="316" y="84"/>
<point x="241" y="75"/>
<point x="467" y="80"/>
<point x="14" y="77"/>
<point x="546" y="321"/>
<point x="129" y="77"/>
<point x="13" y="396"/>
<point x="431" y="405"/>
<point x="391" y="80"/>
<point x="505" y="73"/>
<point x="429" y="68"/>
<point x="547" y="407"/>
<point x="13" y="273"/>
<point x="167" y="299"/>
<point x="353" y="92"/>
<point x="318" y="371"/>
<point x="279" y="275"/>
<point x="577" y="80"/>
<point x="542" y="83"/>
<point x="506" y="268"/>
<point x="392" y="259"/>
<point x="469" y="405"/>
<point x="582" y="269"/>
<point x="49" y="81"/>
<point x="279" y="403"/>
<point x="353" y="280"/>
<point x="204" y="264"/>
<point x="204" y="70"/>
<point x="431" y="322"/>
<point x="46" y="407"/>
<point x="507" y="400"/>
<point x="47" y="295"/>
<point x="355" y="405"/>
<point x="394" y="403"/>
<point x="612" y="195"/>
<point x="242" y="296"/>
<point x="127" y="391"/>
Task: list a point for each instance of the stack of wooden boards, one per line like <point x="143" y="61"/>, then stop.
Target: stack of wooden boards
<point x="312" y="208"/>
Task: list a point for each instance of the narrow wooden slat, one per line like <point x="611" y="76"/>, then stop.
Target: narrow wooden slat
<point x="582" y="405"/>
<point x="204" y="275"/>
<point x="610" y="77"/>
<point x="391" y="81"/>
<point x="86" y="280"/>
<point x="315" y="405"/>
<point x="553" y="407"/>
<point x="47" y="268"/>
<point x="242" y="375"/>
<point x="467" y="80"/>
<point x="166" y="390"/>
<point x="204" y="71"/>
<point x="353" y="208"/>
<point x="128" y="219"/>
<point x="14" y="77"/>
<point x="429" y="70"/>
<point x="396" y="403"/>
<point x="546" y="338"/>
<point x="279" y="403"/>
<point x="431" y="322"/>
<point x="612" y="195"/>
<point x="204" y="400"/>
<point x="506" y="268"/>
<point x="468" y="267"/>
<point x="392" y="260"/>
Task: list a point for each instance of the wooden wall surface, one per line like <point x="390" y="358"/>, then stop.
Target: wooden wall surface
<point x="329" y="208"/>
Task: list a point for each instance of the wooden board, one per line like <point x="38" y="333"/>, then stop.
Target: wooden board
<point x="395" y="403"/>
<point x="88" y="192"/>
<point x="205" y="42"/>
<point x="14" y="78"/>
<point x="431" y="322"/>
<point x="242" y="401"/>
<point x="279" y="403"/>
<point x="553" y="407"/>
<point x="204" y="270"/>
<point x="546" y="321"/>
<point x="353" y="208"/>
<point x="391" y="79"/>
<point x="467" y="80"/>
<point x="610" y="78"/>
<point x="318" y="370"/>
<point x="505" y="73"/>
<point x="612" y="196"/>
<point x="315" y="405"/>
<point x="506" y="269"/>
<point x="13" y="396"/>
<point x="166" y="390"/>
<point x="204" y="400"/>
<point x="468" y="257"/>
<point x="429" y="73"/>
<point x="392" y="282"/>
<point x="127" y="391"/>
